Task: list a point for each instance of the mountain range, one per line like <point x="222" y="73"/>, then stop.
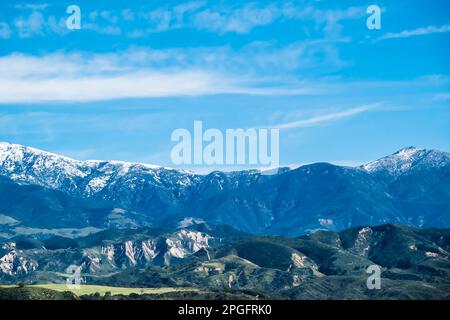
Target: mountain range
<point x="44" y="193"/>
<point x="301" y="233"/>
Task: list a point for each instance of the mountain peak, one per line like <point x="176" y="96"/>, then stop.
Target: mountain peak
<point x="408" y="151"/>
<point x="407" y="159"/>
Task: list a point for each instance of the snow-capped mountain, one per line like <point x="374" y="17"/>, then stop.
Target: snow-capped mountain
<point x="43" y="190"/>
<point x="28" y="165"/>
<point x="131" y="186"/>
<point x="406" y="160"/>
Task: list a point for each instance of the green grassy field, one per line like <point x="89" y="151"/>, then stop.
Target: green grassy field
<point x="90" y="289"/>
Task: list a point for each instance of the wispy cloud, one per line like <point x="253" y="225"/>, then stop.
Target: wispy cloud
<point x="34" y="24"/>
<point x="109" y="30"/>
<point x="241" y="20"/>
<point x="326" y="118"/>
<point x="32" y="6"/>
<point x="218" y="18"/>
<point x="135" y="84"/>
<point x="209" y="16"/>
<point x="442" y="96"/>
<point x="416" y="32"/>
<point x="258" y="69"/>
<point x="5" y="30"/>
<point x="103" y="22"/>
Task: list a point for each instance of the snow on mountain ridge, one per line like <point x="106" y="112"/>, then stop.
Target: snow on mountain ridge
<point x="407" y="159"/>
<point x="29" y="165"/>
<point x="109" y="178"/>
<point x="19" y="152"/>
<point x="89" y="178"/>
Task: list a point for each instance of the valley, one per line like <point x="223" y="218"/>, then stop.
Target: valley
<point x="102" y="290"/>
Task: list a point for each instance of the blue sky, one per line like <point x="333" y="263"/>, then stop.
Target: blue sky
<point x="137" y="70"/>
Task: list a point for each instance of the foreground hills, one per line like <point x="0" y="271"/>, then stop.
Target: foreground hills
<point x="220" y="260"/>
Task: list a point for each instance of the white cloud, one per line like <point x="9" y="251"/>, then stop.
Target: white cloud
<point x="146" y="73"/>
<point x="131" y="74"/>
<point x="325" y="118"/>
<point x="92" y="88"/>
<point x="257" y="69"/>
<point x="416" y="32"/>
